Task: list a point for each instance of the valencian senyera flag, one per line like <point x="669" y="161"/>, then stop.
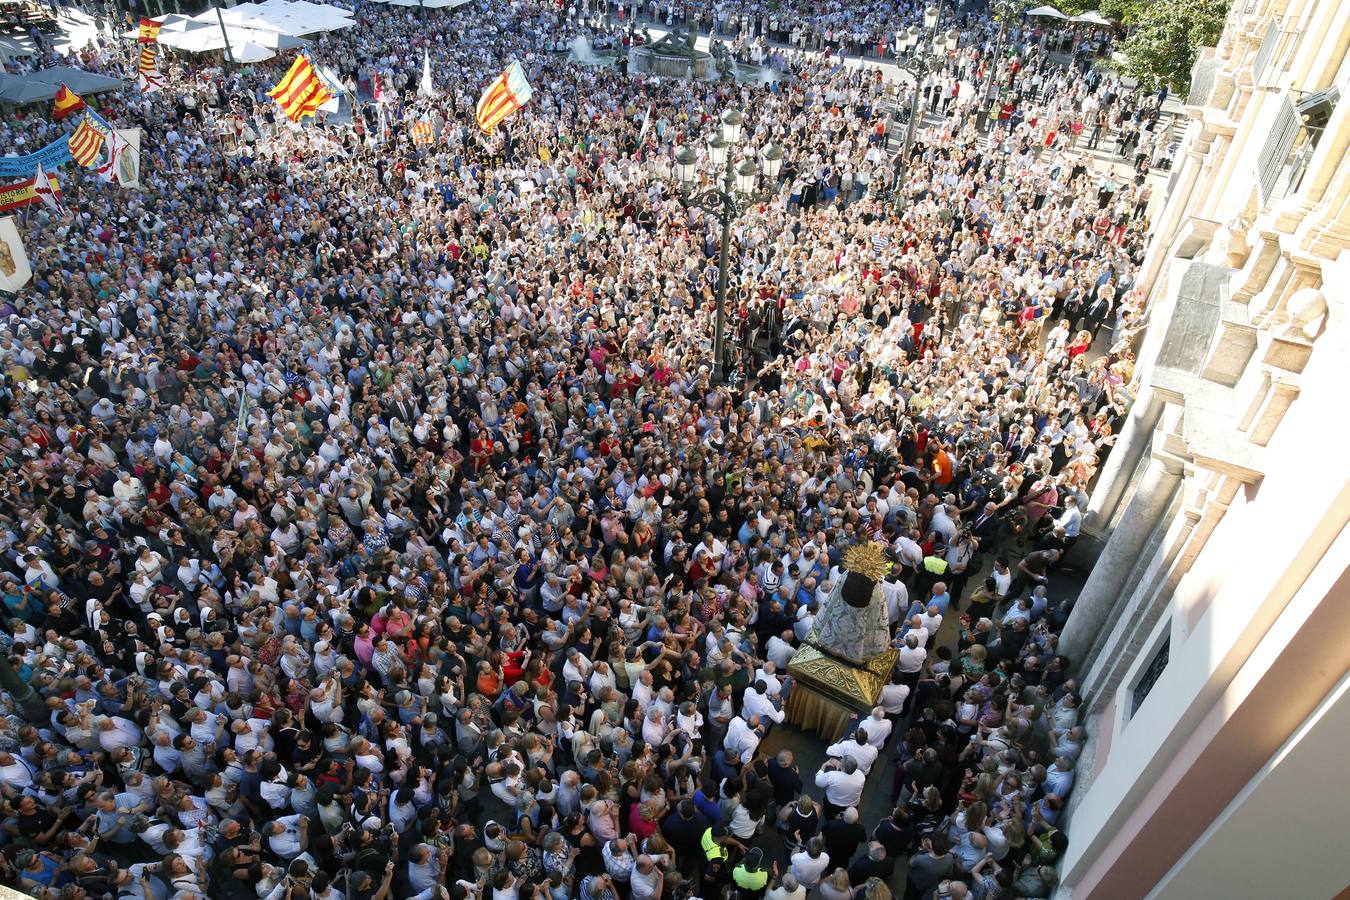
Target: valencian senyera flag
<point x="302" y="91"/>
<point x="86" y="142"/>
<point x="507" y="93"/>
<point x="148" y="76"/>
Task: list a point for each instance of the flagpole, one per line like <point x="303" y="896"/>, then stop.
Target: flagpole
<point x="239" y="422"/>
<point x="229" y="53"/>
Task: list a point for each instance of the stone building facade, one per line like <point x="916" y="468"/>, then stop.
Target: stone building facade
<point x="1212" y="638"/>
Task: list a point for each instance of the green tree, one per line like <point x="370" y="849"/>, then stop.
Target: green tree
<point x="1165" y="38"/>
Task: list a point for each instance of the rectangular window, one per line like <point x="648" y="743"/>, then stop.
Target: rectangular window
<point x="1275" y="153"/>
<point x="1265" y="51"/>
<point x="1151" y="673"/>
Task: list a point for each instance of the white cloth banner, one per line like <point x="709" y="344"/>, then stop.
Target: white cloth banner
<point x="14" y="269"/>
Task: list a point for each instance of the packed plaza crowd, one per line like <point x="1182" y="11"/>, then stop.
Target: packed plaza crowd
<point x="494" y="591"/>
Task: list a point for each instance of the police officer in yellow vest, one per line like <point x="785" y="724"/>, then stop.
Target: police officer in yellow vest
<point x="932" y="570"/>
<point x="750" y="876"/>
<point x="715" y="859"/>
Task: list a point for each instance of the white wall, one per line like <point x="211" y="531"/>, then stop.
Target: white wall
<point x="1284" y="835"/>
<point x="1253" y="565"/>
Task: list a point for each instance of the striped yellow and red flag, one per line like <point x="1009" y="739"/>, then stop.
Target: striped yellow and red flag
<point x="147" y="71"/>
<point x="86" y="143"/>
<point x="301" y="92"/>
<point x="507" y="93"/>
<point x="421" y="132"/>
<point x="66" y="102"/>
<point x="149" y="32"/>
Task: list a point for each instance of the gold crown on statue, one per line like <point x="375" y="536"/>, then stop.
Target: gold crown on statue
<point x="867" y="558"/>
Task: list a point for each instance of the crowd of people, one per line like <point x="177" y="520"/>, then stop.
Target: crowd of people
<point x="373" y="526"/>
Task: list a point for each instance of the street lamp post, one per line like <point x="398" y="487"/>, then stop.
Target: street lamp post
<point x="1004" y="11"/>
<point x="922" y="55"/>
<point x="727" y="202"/>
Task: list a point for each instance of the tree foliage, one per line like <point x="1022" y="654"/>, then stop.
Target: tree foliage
<point x="1165" y="38"/>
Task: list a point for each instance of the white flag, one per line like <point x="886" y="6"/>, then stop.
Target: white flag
<point x="646" y="123"/>
<point x="14" y="269"/>
<point x="42" y="186"/>
<point x="150" y="82"/>
<point x="331" y="81"/>
<point x="108" y="171"/>
<point x="426" y="89"/>
<point x="129" y="160"/>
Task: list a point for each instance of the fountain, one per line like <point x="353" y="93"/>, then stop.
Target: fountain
<point x="673" y="55"/>
<point x="582" y="53"/>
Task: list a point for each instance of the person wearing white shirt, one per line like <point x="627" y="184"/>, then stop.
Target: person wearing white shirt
<point x="115" y="732"/>
<point x="779" y="649"/>
<point x="810" y="863"/>
<point x="654" y="728"/>
<point x="878" y="727"/>
<point x="647" y="882"/>
<point x="842" y="783"/>
<point x="915" y="627"/>
<point x="276" y="791"/>
<point x="1071" y="520"/>
<point x="857" y="749"/>
<point x="930" y="619"/>
<point x="577" y="667"/>
<point x="689" y="720"/>
<point x="789" y="889"/>
<point x="768" y="673"/>
<point x="897" y="598"/>
<point x="757" y="703"/>
<point x="15" y="772"/>
<point x="943" y="522"/>
<point x="287" y="836"/>
<point x="912" y="656"/>
<point x="743" y="737"/>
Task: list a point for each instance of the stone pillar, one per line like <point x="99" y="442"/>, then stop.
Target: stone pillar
<point x="1124" y="459"/>
<point x="1178" y="206"/>
<point x="1106" y="585"/>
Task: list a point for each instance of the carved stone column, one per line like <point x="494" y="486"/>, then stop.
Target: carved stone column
<point x="1106" y="585"/>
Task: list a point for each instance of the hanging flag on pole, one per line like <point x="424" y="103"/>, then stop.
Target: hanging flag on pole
<point x="149" y="32"/>
<point x="86" y="142"/>
<point x="646" y="123"/>
<point x="334" y="84"/>
<point x="426" y="88"/>
<point x="507" y="93"/>
<point x="301" y="91"/>
<point x="47" y="191"/>
<point x="240" y="422"/>
<point x="421" y="131"/>
<point x="18" y="194"/>
<point x="66" y="102"/>
<point x="148" y="76"/>
<point x="14" y="268"/>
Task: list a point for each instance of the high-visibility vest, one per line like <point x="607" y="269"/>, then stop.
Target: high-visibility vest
<point x="935" y="565"/>
<point x="711" y="849"/>
<point x="751" y="881"/>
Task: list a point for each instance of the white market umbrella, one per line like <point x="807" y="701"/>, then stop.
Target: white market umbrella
<point x="1046" y="12"/>
<point x="1092" y="17"/>
<point x="249" y="52"/>
<point x="173" y="23"/>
